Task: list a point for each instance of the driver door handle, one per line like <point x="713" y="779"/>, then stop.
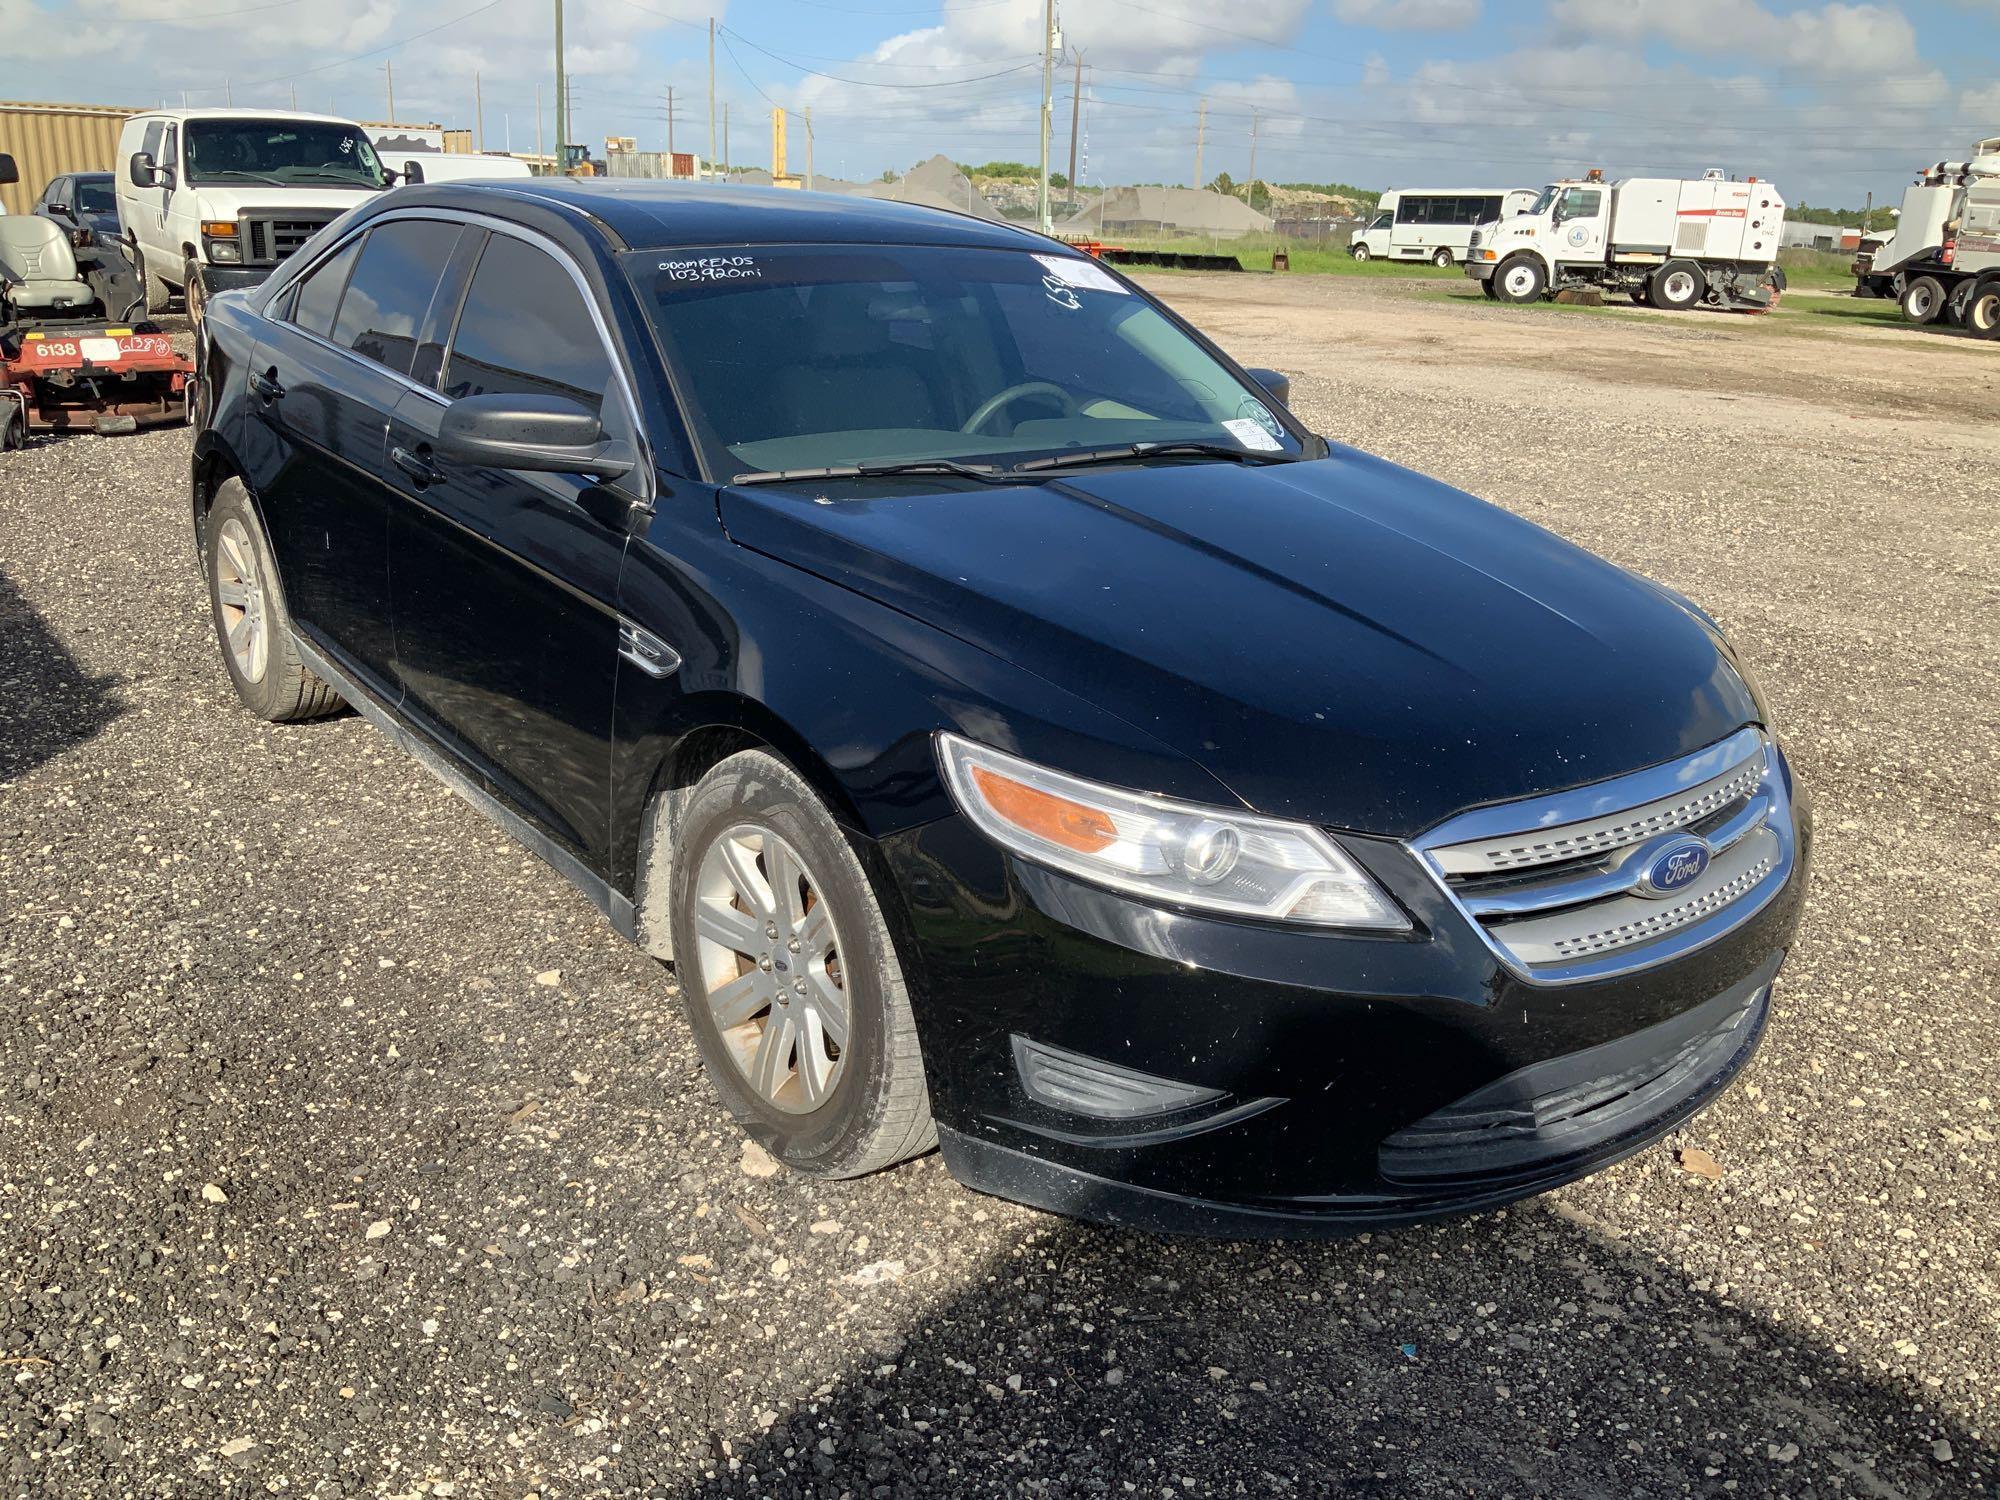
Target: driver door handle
<point x="417" y="465"/>
<point x="266" y="385"/>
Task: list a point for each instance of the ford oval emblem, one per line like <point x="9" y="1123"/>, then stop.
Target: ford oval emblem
<point x="1673" y="866"/>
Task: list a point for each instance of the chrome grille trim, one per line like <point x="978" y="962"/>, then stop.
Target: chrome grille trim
<point x="1554" y="885"/>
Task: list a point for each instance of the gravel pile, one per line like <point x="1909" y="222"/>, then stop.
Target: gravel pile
<point x="345" y="1151"/>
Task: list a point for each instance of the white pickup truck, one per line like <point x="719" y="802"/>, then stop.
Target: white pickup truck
<point x="1671" y="242"/>
<point x="216" y="198"/>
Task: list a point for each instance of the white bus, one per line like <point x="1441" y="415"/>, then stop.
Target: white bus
<point x="1433" y="224"/>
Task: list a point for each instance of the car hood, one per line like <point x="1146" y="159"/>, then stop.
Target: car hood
<point x="1340" y="641"/>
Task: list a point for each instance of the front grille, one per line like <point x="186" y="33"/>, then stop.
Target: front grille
<point x="272" y="238"/>
<point x="1556" y="884"/>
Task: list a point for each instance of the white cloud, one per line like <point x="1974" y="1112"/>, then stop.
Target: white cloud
<point x="1835" y="40"/>
<point x="1408" y="15"/>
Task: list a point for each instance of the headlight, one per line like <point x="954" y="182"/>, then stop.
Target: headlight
<point x="224" y="252"/>
<point x="1173" y="852"/>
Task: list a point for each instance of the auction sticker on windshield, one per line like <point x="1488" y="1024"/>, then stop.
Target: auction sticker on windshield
<point x="713" y="268"/>
<point x="1086" y="274"/>
<point x="1251" y="435"/>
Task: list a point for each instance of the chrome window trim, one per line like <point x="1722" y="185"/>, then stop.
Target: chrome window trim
<point x="535" y="238"/>
<point x="1769" y="809"/>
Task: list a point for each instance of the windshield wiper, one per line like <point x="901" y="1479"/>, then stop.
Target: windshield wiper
<point x="985" y="473"/>
<point x="241" y="172"/>
<point x="1126" y="451"/>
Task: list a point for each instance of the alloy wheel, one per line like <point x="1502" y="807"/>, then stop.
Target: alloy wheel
<point x="239" y="594"/>
<point x="770" y="967"/>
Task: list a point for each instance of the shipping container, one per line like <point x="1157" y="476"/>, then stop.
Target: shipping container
<point x="47" y="140"/>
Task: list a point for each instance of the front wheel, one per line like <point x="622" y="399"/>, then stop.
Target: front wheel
<point x="1923" y="300"/>
<point x="1360" y="252"/>
<point x="789" y="978"/>
<point x="193" y="292"/>
<point x="1442" y="259"/>
<point x="1489" y="287"/>
<point x="1521" y="279"/>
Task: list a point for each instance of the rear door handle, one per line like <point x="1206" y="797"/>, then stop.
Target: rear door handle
<point x="417" y="465"/>
<point x="266" y="385"/>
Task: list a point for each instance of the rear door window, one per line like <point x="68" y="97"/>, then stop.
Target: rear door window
<point x="319" y="293"/>
<point x="388" y="294"/>
<point x="525" y="329"/>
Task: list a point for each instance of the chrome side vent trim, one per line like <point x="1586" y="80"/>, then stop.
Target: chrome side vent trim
<point x="647" y="651"/>
<point x="1569" y="887"/>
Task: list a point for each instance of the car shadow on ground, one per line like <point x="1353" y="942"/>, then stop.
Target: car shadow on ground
<point x="1532" y="1352"/>
<point x="47" y="701"/>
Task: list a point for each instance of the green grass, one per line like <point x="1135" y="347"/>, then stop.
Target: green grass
<point x="1822" y="269"/>
<point x="1254" y="251"/>
<point x="1805" y="315"/>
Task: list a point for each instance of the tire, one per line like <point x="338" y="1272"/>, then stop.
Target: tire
<point x="1923" y="299"/>
<point x="1982" y="310"/>
<point x="1442" y="259"/>
<point x="1360" y="252"/>
<point x="193" y="293"/>
<point x="1676" y="286"/>
<point x="13" y="432"/>
<point x="861" y="1103"/>
<point x="1490" y="288"/>
<point x="155" y="291"/>
<point x="1957" y="303"/>
<point x="252" y="626"/>
<point x="1520" y="279"/>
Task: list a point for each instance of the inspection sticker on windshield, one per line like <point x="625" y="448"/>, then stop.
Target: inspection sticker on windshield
<point x="1251" y="435"/>
<point x="713" y="268"/>
<point x="1087" y="274"/>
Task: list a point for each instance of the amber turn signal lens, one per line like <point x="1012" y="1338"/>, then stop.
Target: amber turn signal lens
<point x="219" y="229"/>
<point x="1057" y="819"/>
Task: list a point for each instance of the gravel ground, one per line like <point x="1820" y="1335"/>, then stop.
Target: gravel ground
<point x="347" y="1152"/>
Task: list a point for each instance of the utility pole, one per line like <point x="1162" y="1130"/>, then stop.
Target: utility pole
<point x="1048" y="83"/>
<point x="295" y="97"/>
<point x="1075" y="115"/>
<point x="389" y="72"/>
<point x="725" y="143"/>
<point x="1250" y="190"/>
<point x="538" y="122"/>
<point x="711" y="99"/>
<point x="229" y="92"/>
<point x="562" y="96"/>
<point x="478" y="115"/>
<point x="670" y="129"/>
<point x="809" y="148"/>
<point x="1200" y="138"/>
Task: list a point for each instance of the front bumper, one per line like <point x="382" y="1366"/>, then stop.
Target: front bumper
<point x="1340" y="1083"/>
<point x="215" y="278"/>
<point x="1480" y="270"/>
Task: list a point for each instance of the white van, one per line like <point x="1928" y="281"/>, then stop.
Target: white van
<point x="1433" y="224"/>
<point x="215" y="198"/>
<point x="440" y="166"/>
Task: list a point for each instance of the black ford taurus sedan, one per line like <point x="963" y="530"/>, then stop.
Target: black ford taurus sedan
<point x="1018" y="731"/>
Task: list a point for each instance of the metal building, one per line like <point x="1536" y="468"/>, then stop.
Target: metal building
<point x="47" y="140"/>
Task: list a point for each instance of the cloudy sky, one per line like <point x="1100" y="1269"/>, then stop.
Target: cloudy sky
<point x="1830" y="100"/>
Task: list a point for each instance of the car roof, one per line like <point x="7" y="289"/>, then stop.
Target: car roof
<point x="647" y="214"/>
<point x="237" y="113"/>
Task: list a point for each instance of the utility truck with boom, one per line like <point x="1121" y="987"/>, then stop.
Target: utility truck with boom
<point x="1670" y="242"/>
<point x="1943" y="262"/>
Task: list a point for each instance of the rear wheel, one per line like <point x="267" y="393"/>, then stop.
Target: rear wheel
<point x="156" y="291"/>
<point x="1923" y="300"/>
<point x="1677" y="286"/>
<point x="1982" y="310"/>
<point x="251" y="621"/>
<point x="789" y="977"/>
<point x="1521" y="279"/>
<point x="1442" y="257"/>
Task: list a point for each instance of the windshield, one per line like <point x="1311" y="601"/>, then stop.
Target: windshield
<point x="302" y="152"/>
<point x="1547" y="199"/>
<point x="801" y="356"/>
<point x="1383" y="221"/>
<point x="94" y="195"/>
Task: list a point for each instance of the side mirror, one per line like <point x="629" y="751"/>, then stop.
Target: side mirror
<point x="542" y="434"/>
<point x="1279" y="386"/>
<point x="142" y="171"/>
<point x="8" y="171"/>
<point x="413" y="171"/>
